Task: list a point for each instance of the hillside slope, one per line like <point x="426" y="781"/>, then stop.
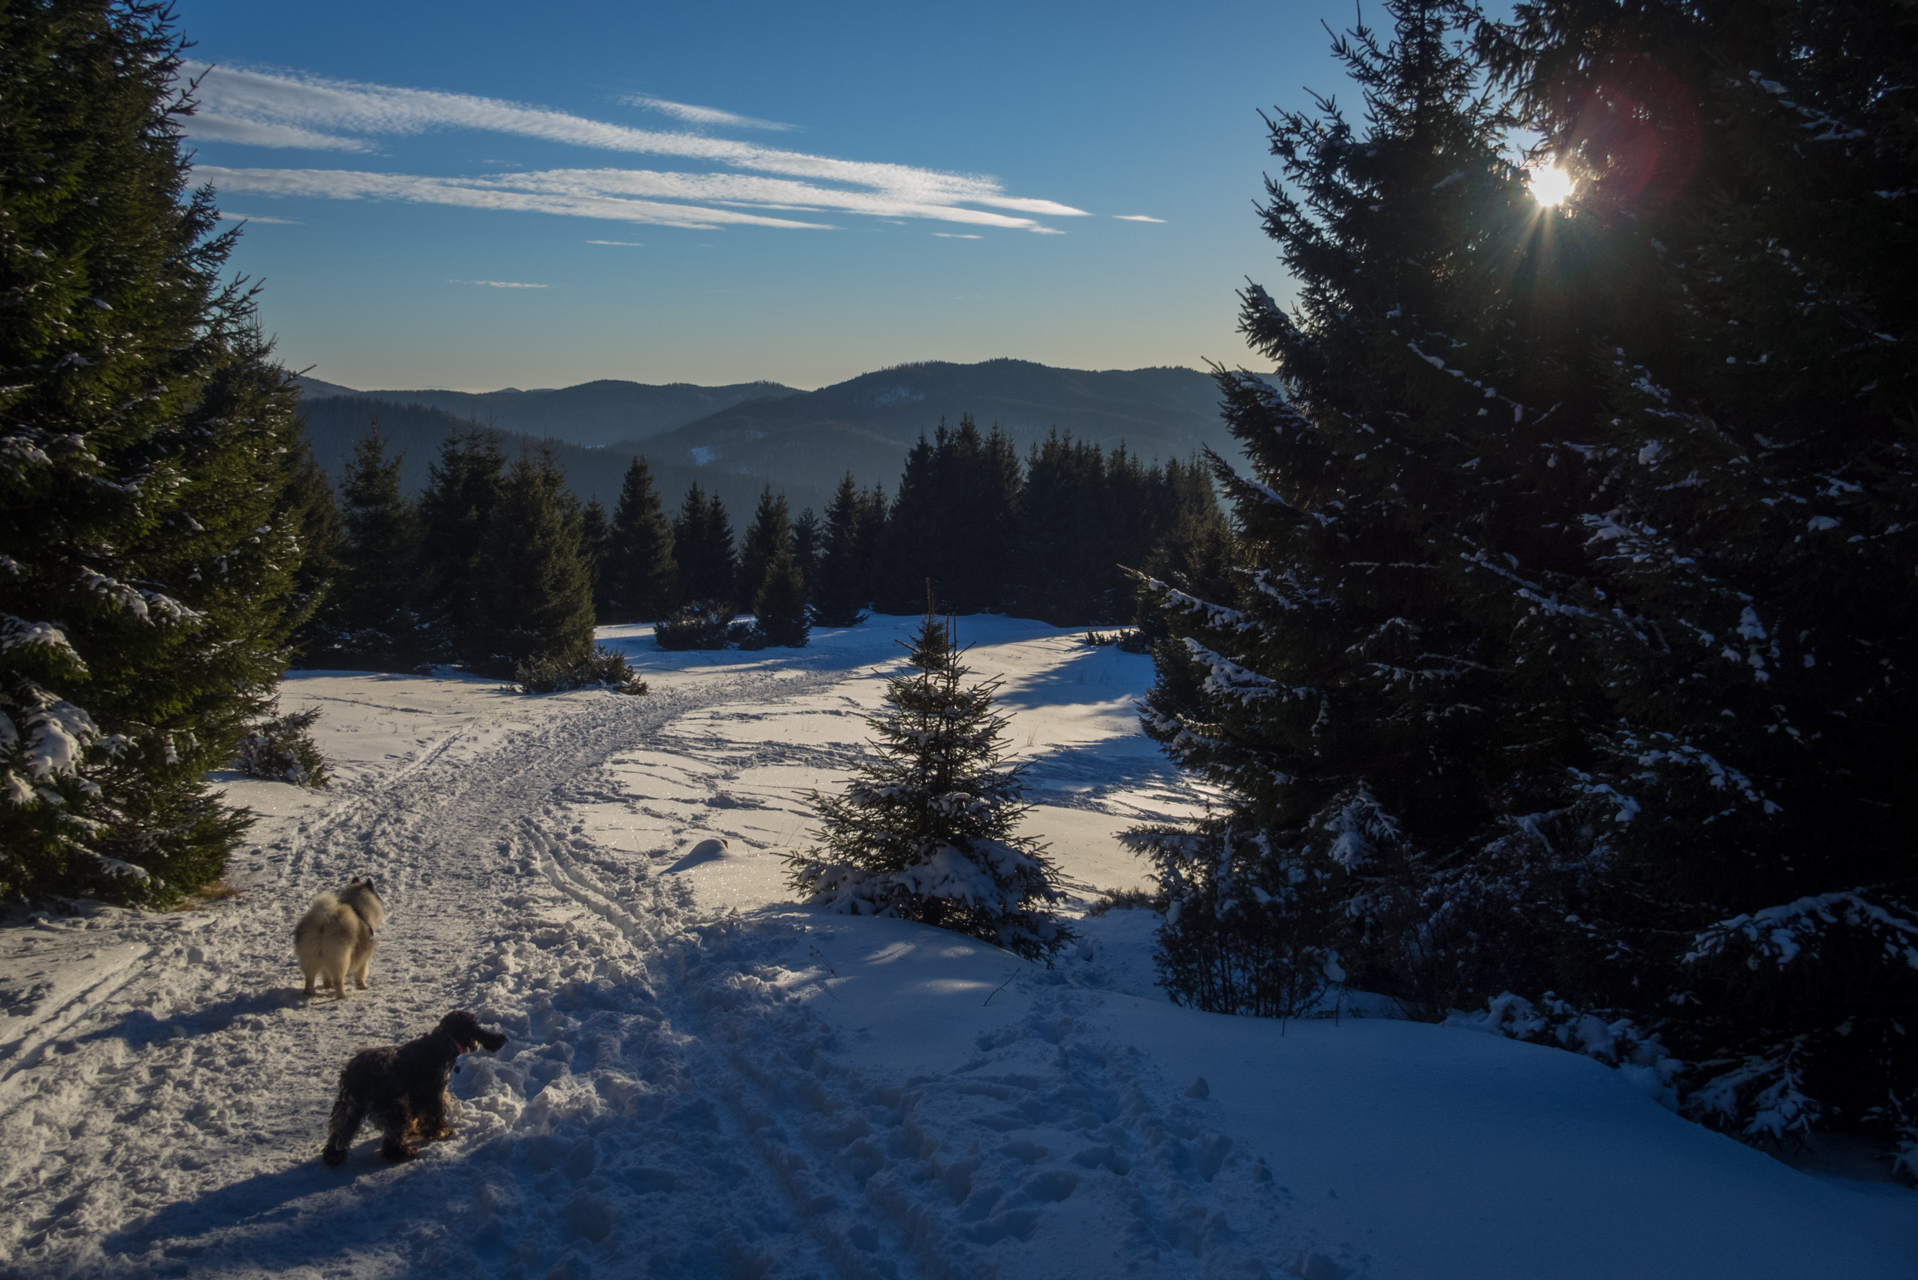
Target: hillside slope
<point x="334" y="424"/>
<point x="866" y="424"/>
<point x="801" y="443"/>
<point x="603" y="412"/>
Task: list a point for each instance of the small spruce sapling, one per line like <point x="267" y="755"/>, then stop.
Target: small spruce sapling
<point x="926" y="830"/>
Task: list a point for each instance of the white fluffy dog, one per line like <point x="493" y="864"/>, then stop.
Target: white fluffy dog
<point x="335" y="936"/>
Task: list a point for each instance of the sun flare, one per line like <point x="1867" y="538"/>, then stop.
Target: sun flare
<point x="1550" y="185"/>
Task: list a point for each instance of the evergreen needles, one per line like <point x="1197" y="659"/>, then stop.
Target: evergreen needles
<point x="1568" y="666"/>
<point x="155" y="496"/>
<point x="638" y="571"/>
<point x="926" y="831"/>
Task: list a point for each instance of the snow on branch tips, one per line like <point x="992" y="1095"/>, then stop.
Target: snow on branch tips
<point x="18" y="633"/>
<point x="1358" y="824"/>
<point x="1227" y="679"/>
<point x="1619" y="1042"/>
<point x="56" y="736"/>
<point x="1783" y="934"/>
<point x="1216" y="616"/>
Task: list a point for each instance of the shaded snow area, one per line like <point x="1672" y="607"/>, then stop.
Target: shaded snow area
<point x="706" y="1080"/>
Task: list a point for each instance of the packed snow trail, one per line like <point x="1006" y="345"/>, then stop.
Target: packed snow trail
<point x="210" y="1050"/>
<point x="653" y="1076"/>
<point x="778" y="1093"/>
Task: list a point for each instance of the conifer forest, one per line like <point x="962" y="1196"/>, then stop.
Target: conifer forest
<point x="1532" y="654"/>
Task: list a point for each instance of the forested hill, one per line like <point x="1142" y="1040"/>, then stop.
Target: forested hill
<point x="801" y="443"/>
<point x="604" y="412"/>
<point x="335" y="422"/>
<point x="866" y="424"/>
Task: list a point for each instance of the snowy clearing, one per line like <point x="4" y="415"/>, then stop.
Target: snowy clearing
<point x="706" y="1080"/>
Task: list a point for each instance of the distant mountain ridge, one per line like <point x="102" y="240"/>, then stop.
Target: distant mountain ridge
<point x="334" y="424"/>
<point x="604" y="412"/>
<point x="866" y="424"/>
<point x="799" y="442"/>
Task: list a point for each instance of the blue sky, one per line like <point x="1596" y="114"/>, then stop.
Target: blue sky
<point x="479" y="195"/>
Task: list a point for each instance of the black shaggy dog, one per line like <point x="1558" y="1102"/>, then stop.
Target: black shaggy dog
<point x="402" y="1088"/>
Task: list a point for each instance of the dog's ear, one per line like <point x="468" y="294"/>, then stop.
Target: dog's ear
<point x="465" y="1028"/>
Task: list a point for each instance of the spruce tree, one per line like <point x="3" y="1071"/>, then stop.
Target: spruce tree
<point x="310" y="501"/>
<point x="1396" y="777"/>
<point x="766" y="538"/>
<point x="808" y="535"/>
<point x="640" y="570"/>
<point x="722" y="552"/>
<point x="872" y="555"/>
<point x="954" y="520"/>
<point x="779" y="608"/>
<point x="927" y="828"/>
<point x="595" y="540"/>
<point x="703" y="541"/>
<point x="374" y="608"/>
<point x="1566" y="670"/>
<point x="1192" y="540"/>
<point x="456" y="511"/>
<point x="1068" y="567"/>
<point x="1750" y="515"/>
<point x="151" y="517"/>
<point x="839" y="589"/>
<point x="535" y="600"/>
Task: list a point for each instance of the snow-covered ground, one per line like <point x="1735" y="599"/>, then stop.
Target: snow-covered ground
<point x="705" y="1080"/>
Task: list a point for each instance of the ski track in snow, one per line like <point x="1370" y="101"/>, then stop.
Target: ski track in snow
<point x="693" y="1091"/>
<point x="668" y="1104"/>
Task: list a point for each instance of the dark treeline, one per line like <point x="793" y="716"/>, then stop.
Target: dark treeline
<point x="497" y="564"/>
<point x="1049" y="537"/>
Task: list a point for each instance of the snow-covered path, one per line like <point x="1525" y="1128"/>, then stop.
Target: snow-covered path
<point x="771" y="1092"/>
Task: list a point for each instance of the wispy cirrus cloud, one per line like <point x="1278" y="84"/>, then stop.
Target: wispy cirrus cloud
<point x="501" y="284"/>
<point x="227" y="215"/>
<point x="212" y="126"/>
<point x="520" y="193"/>
<point x="290" y="111"/>
<point x="709" y="116"/>
<point x="1136" y="217"/>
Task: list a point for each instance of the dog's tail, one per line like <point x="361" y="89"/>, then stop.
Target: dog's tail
<point x="349" y="1110"/>
<point x="318" y="912"/>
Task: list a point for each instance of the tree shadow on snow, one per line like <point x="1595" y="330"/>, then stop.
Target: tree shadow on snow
<point x="138" y="1028"/>
<point x="1087" y="676"/>
<point x="1074" y="774"/>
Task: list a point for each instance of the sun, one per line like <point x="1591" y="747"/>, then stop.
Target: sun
<point x="1550" y="185"/>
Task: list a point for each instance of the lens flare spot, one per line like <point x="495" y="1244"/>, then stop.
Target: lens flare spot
<point x="1550" y="185"/>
